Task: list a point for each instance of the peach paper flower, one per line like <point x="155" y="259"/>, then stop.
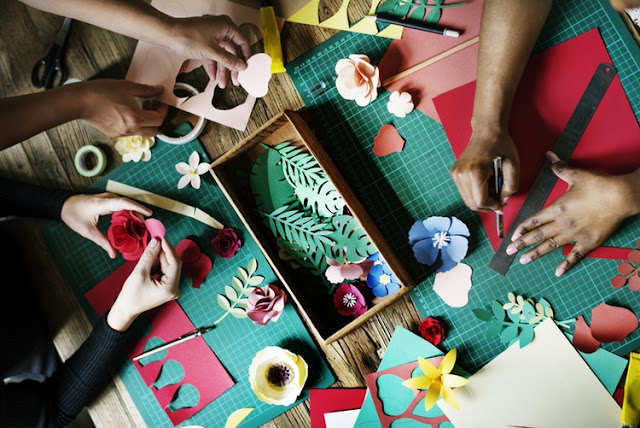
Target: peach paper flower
<point x="357" y="79"/>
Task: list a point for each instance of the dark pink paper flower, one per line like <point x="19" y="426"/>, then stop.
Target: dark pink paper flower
<point x="128" y="234"/>
<point x="349" y="301"/>
<point x="266" y="304"/>
<point x="226" y="243"/>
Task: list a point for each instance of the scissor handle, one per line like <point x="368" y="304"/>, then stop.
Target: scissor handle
<point x="45" y="70"/>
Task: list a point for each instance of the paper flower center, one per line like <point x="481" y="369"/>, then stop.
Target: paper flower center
<point x="349" y="300"/>
<point x="385" y="279"/>
<point x="441" y="239"/>
<point x="279" y="375"/>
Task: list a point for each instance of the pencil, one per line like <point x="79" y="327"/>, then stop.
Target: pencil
<point x="196" y="333"/>
<point x="423" y="26"/>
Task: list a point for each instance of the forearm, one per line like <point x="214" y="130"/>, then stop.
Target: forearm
<point x="21" y="199"/>
<point x="508" y="32"/>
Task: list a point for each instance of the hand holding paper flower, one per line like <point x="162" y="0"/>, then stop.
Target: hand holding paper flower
<point x="191" y="171"/>
<point x="348" y="301"/>
<point x="266" y="304"/>
<point x="439" y="241"/>
<point x="438" y="381"/>
<point x="128" y="234"/>
<point x="358" y="79"/>
<point x="277" y="375"/>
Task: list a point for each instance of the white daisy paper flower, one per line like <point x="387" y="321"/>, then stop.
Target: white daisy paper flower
<point x="400" y="104"/>
<point x="191" y="171"/>
<point x="277" y="375"/>
<point x="135" y="148"/>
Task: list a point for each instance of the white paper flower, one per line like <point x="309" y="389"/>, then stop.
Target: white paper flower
<point x="400" y="104"/>
<point x="277" y="375"/>
<point x="192" y="171"/>
<point x="357" y="79"/>
<point x="135" y="148"/>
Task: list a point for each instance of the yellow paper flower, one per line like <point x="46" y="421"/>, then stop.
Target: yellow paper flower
<point x="439" y="381"/>
<point x="135" y="148"/>
<point x="277" y="375"/>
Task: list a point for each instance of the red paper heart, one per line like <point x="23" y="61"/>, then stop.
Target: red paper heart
<point x="387" y="141"/>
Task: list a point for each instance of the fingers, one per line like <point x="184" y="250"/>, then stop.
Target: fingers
<point x="117" y="203"/>
<point x="544" y="216"/>
<point x="99" y="238"/>
<point x="211" y="67"/>
<point x="562" y="170"/>
<point x="144" y="91"/>
<point x="577" y="253"/>
<point x="510" y="178"/>
<point x="170" y="264"/>
<point x="222" y="76"/>
<point x="477" y="191"/>
<point x="227" y="59"/>
<point x="241" y="47"/>
<point x="145" y="264"/>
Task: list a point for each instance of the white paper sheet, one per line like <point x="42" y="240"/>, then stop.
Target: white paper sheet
<point x="342" y="419"/>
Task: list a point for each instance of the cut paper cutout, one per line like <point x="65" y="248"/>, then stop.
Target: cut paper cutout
<point x="154" y="342"/>
<point x="155" y="228"/>
<point x="612" y="323"/>
<point x="331" y="400"/>
<point x="387" y="141"/>
<point x="265" y="304"/>
<point x="204" y="373"/>
<point x="135" y="148"/>
<point x="186" y="396"/>
<point x="339" y="272"/>
<point x="381" y="279"/>
<point x="128" y="234"/>
<point x="195" y="263"/>
<point x="400" y="104"/>
<point x="237" y="417"/>
<point x="439" y="241"/>
<point x="583" y="339"/>
<point x="255" y="78"/>
<point x="170" y="374"/>
<point x="162" y="202"/>
<point x="448" y="73"/>
<point x="348" y="300"/>
<point x="432" y="329"/>
<point x="235" y="299"/>
<point x="453" y="286"/>
<point x="342" y="419"/>
<point x="226" y="243"/>
<point x="629" y="272"/>
<point x="357" y="79"/>
<point x="492" y="396"/>
<point x="550" y="88"/>
<point x="277" y="375"/>
<point x="269" y="184"/>
<point x="608" y="253"/>
<point x="191" y="171"/>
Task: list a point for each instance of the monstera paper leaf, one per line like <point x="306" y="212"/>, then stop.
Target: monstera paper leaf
<point x="350" y="241"/>
<point x="268" y="182"/>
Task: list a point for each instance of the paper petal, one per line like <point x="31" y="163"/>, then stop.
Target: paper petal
<point x="418" y="232"/>
<point x="182" y="168"/>
<point x="387" y="141"/>
<point x="454" y="381"/>
<point x="194" y="160"/>
<point x="449" y="360"/>
<point x="437" y="224"/>
<point x="432" y="395"/>
<point x="449" y="398"/>
<point x="582" y="339"/>
<point x="351" y="271"/>
<point x="333" y="274"/>
<point x="155" y="227"/>
<point x="238" y="416"/>
<point x="428" y="369"/>
<point x="184" y="180"/>
<point x="457" y="248"/>
<point x="202" y="168"/>
<point x="195" y="181"/>
<point x="420" y="382"/>
<point x="458" y="227"/>
<point x="446" y="262"/>
<point x="612" y="323"/>
<point x="425" y="252"/>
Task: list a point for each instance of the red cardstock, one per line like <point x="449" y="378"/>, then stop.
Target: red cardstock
<point x="387" y="141"/>
<point x="609" y="253"/>
<point x="331" y="400"/>
<point x="583" y="341"/>
<point x="549" y="91"/>
<point x="612" y="323"/>
<point x="202" y="369"/>
<point x="404" y="372"/>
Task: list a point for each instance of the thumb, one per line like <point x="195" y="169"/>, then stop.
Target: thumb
<point x="145" y="91"/>
<point x="148" y="257"/>
<point x="561" y="169"/>
<point x="511" y="177"/>
<point x="226" y="59"/>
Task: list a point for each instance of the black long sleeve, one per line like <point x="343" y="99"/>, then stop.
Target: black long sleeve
<point x="27" y="200"/>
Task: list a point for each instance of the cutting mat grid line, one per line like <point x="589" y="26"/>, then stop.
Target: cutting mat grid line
<point x="401" y="188"/>
<point x="84" y="265"/>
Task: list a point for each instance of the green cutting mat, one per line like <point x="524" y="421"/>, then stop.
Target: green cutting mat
<point x="234" y="341"/>
<point x="404" y="187"/>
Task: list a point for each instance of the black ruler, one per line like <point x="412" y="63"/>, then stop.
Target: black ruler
<point x="564" y="147"/>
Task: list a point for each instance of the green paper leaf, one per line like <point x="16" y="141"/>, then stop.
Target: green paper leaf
<point x="301" y="169"/>
<point x="268" y="183"/>
<point x="294" y="226"/>
<point x="238" y="313"/>
<point x="230" y="293"/>
<point x="498" y="312"/>
<point x="255" y="280"/>
<point x="526" y="336"/>
<point x="237" y="284"/>
<point x="252" y="266"/>
<point x="514" y="316"/>
<point x="322" y="198"/>
<point x="494" y="329"/>
<point x="509" y="333"/>
<point x="528" y="311"/>
<point x="482" y="314"/>
<point x="224" y="303"/>
<point x="350" y="242"/>
<point x="243" y="275"/>
<point x="242" y="303"/>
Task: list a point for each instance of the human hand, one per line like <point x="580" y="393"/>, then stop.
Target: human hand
<point x="474" y="168"/>
<point x="215" y="39"/>
<point x="154" y="281"/>
<point x="110" y="106"/>
<point x="587" y="213"/>
<point x="82" y="212"/>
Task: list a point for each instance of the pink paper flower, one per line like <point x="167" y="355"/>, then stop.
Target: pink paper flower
<point x="349" y="301"/>
<point x="357" y="79"/>
<point x="266" y="304"/>
<point x="338" y="272"/>
<point x="128" y="234"/>
<point x="226" y="243"/>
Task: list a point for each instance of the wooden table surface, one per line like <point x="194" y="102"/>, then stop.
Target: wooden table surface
<point x="47" y="159"/>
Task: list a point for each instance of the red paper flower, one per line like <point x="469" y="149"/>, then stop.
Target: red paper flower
<point x="432" y="330"/>
<point x="128" y="234"/>
<point x="195" y="263"/>
<point x="349" y="301"/>
<point x="226" y="243"/>
<point x="266" y="304"/>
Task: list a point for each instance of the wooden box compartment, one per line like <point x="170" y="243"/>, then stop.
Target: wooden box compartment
<point x="232" y="172"/>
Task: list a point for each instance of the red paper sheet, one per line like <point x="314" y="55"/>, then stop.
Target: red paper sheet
<point x="202" y="369"/>
<point x="610" y="253"/>
<point x="417" y="46"/>
<point x="550" y="89"/>
<point x="331" y="400"/>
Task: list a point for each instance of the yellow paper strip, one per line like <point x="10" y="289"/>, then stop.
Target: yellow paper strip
<point x="630" y="415"/>
<point x="162" y="202"/>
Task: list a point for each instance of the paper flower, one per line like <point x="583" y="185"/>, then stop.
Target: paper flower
<point x="195" y="263"/>
<point x="357" y="79"/>
<point x="437" y="381"/>
<point x="439" y="241"/>
<point x="400" y="104"/>
<point x="226" y="243"/>
<point x="432" y="330"/>
<point x="381" y="278"/>
<point x="266" y="304"/>
<point x="277" y="375"/>
<point x="135" y="148"/>
<point x="191" y="171"/>
<point x="128" y="234"/>
<point x="338" y="272"/>
<point x="349" y="301"/>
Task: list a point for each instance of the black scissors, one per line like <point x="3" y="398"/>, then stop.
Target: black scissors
<point x="45" y="71"/>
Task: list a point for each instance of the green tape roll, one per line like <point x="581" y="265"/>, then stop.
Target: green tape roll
<point x="80" y="161"/>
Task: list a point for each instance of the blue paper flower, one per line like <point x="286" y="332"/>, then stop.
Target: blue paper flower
<point x="439" y="241"/>
<point x="381" y="278"/>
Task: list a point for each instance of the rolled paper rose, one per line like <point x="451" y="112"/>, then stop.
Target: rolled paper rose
<point x="432" y="330"/>
<point x="348" y="301"/>
<point x="277" y="375"/>
<point x="226" y="243"/>
<point x="128" y="234"/>
<point x="135" y="148"/>
<point x="266" y="304"/>
<point x="357" y="79"/>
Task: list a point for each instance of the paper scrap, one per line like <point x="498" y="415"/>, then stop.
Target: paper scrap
<point x="609" y="253"/>
<point x="195" y="263"/>
<point x="387" y="141"/>
<point x="582" y="338"/>
<point x="237" y="417"/>
<point x="453" y="286"/>
<point x="342" y="419"/>
<point x="255" y="78"/>
<point x="155" y="228"/>
<point x="162" y="202"/>
<point x="521" y="385"/>
<point x="330" y="400"/>
<point x="629" y="272"/>
<point x="612" y="323"/>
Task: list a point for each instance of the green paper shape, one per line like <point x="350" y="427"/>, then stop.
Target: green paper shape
<point x="408" y="423"/>
<point x="420" y="410"/>
<point x="170" y="374"/>
<point x="482" y="314"/>
<point x="322" y="198"/>
<point x="528" y="311"/>
<point x="498" y="311"/>
<point x="350" y="242"/>
<point x="494" y="329"/>
<point x="526" y="335"/>
<point x="394" y="396"/>
<point x="268" y="183"/>
<point x="186" y="396"/>
<point x="154" y="342"/>
<point x="293" y="225"/>
<point x="509" y="333"/>
<point x="301" y="169"/>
